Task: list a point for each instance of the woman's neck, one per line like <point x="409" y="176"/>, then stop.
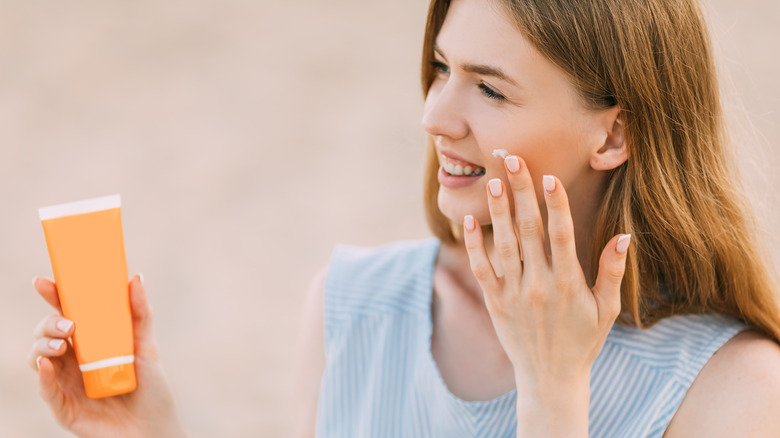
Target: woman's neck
<point x="454" y="258"/>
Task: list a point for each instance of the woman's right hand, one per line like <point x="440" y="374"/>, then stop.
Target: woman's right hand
<point x="149" y="411"/>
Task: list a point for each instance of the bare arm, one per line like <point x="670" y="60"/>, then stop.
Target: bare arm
<point x="737" y="393"/>
<point x="310" y="358"/>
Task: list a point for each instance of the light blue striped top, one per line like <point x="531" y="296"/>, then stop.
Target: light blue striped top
<point x="380" y="378"/>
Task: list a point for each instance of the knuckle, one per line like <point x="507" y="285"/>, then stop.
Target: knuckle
<point x="520" y="183"/>
<point x="481" y="270"/>
<point x="609" y="310"/>
<point x="40" y="346"/>
<point x="149" y="315"/>
<point x="498" y="208"/>
<point x="536" y="296"/>
<point x="472" y="245"/>
<point x="614" y="311"/>
<point x="46" y="327"/>
<point x="507" y="249"/>
<point x="499" y="308"/>
<point x="559" y="234"/>
<point x="565" y="283"/>
<point x="528" y="228"/>
<point x="40" y="328"/>
<point x="617" y="269"/>
<point x="534" y="293"/>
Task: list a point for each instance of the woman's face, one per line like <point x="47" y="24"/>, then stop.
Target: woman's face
<point x="493" y="90"/>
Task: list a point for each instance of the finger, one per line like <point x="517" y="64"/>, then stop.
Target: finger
<point x="527" y="216"/>
<point x="143" y="333"/>
<point x="48" y="290"/>
<point x="504" y="237"/>
<point x="46" y="347"/>
<point x="478" y="258"/>
<point x="49" y="389"/>
<point x="612" y="266"/>
<point x="560" y="227"/>
<point x="54" y="326"/>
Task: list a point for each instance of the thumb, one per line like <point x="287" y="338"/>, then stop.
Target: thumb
<point x="612" y="266"/>
<point x="49" y="389"/>
<point x="143" y="334"/>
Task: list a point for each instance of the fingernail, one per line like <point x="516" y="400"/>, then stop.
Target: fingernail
<point x="622" y="244"/>
<point x="141" y="278"/>
<point x="35" y="279"/>
<point x="468" y="222"/>
<point x="495" y="186"/>
<point x="548" y="181"/>
<point x="38" y="361"/>
<point x="64" y="325"/>
<point x="512" y="164"/>
<point x="55" y="344"/>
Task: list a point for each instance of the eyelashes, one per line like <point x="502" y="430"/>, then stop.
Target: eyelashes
<point x="490" y="93"/>
<point x="442" y="70"/>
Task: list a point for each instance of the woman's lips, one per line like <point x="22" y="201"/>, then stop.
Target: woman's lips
<point x="456" y="173"/>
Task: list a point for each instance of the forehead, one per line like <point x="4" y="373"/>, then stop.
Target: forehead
<point x="480" y="32"/>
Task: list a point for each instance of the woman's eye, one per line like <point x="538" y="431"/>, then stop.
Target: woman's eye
<point x="490" y="93"/>
<point x="440" y="68"/>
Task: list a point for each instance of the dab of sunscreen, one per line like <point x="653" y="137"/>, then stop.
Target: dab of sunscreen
<point x="87" y="255"/>
<point x="500" y="153"/>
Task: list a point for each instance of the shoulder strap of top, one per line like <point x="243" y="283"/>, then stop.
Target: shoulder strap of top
<point x="679" y="345"/>
<point x="396" y="277"/>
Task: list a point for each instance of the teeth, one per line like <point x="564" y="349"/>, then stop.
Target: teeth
<point x="458" y="170"/>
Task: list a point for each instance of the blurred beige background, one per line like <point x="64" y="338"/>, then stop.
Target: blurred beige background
<point x="246" y="139"/>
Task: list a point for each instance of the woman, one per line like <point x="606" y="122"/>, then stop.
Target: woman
<point x="615" y="202"/>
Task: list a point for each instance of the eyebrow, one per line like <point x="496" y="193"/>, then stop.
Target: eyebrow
<point x="481" y="69"/>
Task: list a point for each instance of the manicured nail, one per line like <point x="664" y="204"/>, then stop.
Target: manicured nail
<point x="55" y="344"/>
<point x="548" y="181"/>
<point x="64" y="325"/>
<point x="35" y="279"/>
<point x="496" y="187"/>
<point x="38" y="361"/>
<point x="141" y="278"/>
<point x="512" y="164"/>
<point x="622" y="244"/>
<point x="468" y="222"/>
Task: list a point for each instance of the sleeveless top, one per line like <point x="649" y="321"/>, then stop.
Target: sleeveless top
<point x="380" y="379"/>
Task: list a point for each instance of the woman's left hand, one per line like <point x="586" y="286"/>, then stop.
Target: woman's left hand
<point x="551" y="324"/>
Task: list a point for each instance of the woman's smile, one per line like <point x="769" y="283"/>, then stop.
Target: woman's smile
<point x="456" y="172"/>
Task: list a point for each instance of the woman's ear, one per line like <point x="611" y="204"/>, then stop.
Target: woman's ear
<point x="613" y="150"/>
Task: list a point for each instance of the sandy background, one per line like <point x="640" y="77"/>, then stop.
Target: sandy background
<point x="246" y="139"/>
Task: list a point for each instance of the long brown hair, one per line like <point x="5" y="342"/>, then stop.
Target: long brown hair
<point x="695" y="250"/>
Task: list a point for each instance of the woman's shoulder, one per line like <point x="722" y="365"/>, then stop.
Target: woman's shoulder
<point x="737" y="392"/>
<point x="392" y="252"/>
<point x="679" y="345"/>
<point x="392" y="277"/>
<point x="391" y="261"/>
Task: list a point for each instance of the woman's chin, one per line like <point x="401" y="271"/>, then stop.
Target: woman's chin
<point x="456" y="211"/>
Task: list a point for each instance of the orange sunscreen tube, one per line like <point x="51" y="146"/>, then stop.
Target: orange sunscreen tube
<point x="87" y="255"/>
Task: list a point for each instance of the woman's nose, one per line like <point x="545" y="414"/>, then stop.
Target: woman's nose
<point x="443" y="113"/>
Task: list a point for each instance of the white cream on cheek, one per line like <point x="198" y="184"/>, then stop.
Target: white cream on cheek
<point x="502" y="153"/>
